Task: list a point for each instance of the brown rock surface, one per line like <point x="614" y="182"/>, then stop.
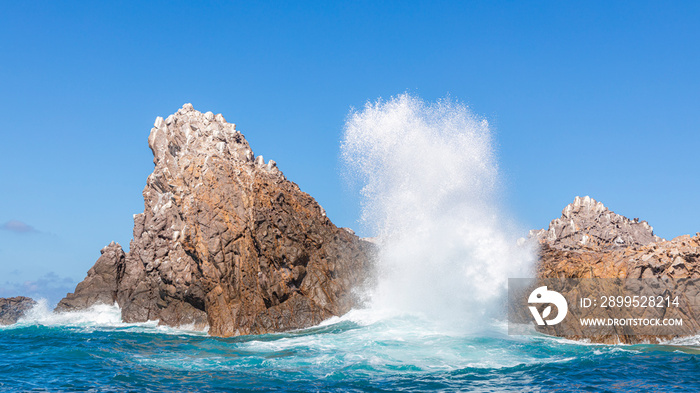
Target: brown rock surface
<point x="677" y="258"/>
<point x="13" y="308"/>
<point x="589" y="241"/>
<point x="225" y="241"/>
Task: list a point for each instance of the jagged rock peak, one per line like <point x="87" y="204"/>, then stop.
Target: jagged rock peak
<point x="587" y="223"/>
<point x="189" y="133"/>
<point x="583" y="206"/>
<point x="189" y="142"/>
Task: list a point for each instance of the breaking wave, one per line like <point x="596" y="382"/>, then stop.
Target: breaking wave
<point x="99" y="316"/>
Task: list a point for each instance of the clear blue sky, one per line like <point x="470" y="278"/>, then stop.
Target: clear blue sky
<point x="586" y="98"/>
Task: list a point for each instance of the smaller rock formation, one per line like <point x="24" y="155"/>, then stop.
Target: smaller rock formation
<point x="14" y="308"/>
<point x="101" y="283"/>
<point x="590" y="241"/>
<point x="587" y="223"/>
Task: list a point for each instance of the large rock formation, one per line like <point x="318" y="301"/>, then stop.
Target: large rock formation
<point x="13" y="308"/>
<point x="225" y="241"/>
<point x="590" y="241"/>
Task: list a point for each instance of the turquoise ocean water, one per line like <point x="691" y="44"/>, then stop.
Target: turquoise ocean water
<point x="93" y="351"/>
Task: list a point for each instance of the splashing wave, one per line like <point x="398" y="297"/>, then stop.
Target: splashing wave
<point x="430" y="192"/>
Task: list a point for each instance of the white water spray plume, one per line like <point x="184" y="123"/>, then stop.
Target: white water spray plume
<point x="430" y="194"/>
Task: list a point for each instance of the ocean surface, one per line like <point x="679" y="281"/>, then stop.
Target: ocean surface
<point x="362" y="351"/>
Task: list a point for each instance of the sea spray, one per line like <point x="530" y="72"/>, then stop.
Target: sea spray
<point x="430" y="193"/>
<point x="98" y="316"/>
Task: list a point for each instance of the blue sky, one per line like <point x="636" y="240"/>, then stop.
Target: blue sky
<point x="586" y="98"/>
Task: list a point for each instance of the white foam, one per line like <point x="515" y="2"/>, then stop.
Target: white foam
<point x="96" y="317"/>
<point x="363" y="317"/>
<point x="686" y="341"/>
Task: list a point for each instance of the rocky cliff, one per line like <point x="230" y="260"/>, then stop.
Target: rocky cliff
<point x="13" y="308"/>
<point x="590" y="241"/>
<point x="225" y="241"/>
